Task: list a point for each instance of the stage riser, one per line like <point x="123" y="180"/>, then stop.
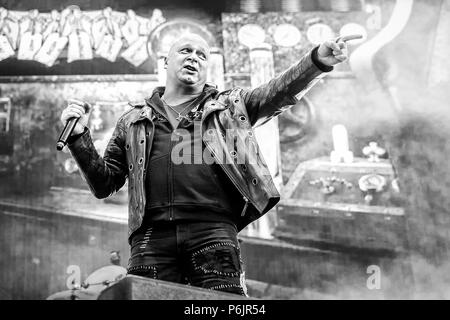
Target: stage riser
<point x="37" y="247"/>
<point x="326" y="228"/>
<point x="334" y="273"/>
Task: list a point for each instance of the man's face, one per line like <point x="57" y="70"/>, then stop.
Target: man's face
<point x="187" y="61"/>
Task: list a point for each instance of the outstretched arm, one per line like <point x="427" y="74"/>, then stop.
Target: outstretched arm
<point x="269" y="100"/>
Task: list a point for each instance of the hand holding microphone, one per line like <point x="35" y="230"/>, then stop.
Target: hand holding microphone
<point x="75" y="117"/>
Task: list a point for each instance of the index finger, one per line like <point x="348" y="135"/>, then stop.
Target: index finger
<point x="350" y="37"/>
<point x="332" y="45"/>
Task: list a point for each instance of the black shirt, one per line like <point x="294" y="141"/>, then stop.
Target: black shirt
<point x="179" y="184"/>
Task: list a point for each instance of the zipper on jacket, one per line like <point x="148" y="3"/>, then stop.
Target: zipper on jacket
<point x="230" y="176"/>
<point x="245" y="206"/>
<point x="170" y="180"/>
<point x="148" y="148"/>
<point x="246" y="199"/>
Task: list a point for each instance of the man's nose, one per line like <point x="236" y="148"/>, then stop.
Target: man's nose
<point x="193" y="57"/>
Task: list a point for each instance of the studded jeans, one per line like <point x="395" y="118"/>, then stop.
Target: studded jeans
<point x="202" y="254"/>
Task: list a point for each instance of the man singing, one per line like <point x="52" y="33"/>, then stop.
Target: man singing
<point x="184" y="216"/>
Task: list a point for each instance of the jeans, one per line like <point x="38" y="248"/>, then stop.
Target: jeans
<point x="202" y="254"/>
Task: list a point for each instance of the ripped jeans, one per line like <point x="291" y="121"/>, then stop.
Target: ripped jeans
<point x="202" y="254"/>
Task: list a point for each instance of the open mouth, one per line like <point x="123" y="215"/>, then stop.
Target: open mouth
<point x="190" y="68"/>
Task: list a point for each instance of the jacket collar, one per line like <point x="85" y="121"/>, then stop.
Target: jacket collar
<point x="211" y="106"/>
<point x="208" y="89"/>
<point x="146" y="111"/>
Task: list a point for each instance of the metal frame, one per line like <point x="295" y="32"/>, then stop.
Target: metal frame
<point x="6" y="115"/>
<point x="80" y="78"/>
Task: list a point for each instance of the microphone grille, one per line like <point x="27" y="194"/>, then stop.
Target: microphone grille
<point x="87" y="107"/>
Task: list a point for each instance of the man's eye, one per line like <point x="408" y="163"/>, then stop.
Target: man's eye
<point x="185" y="50"/>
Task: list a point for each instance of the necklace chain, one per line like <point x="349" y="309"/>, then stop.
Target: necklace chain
<point x="180" y="116"/>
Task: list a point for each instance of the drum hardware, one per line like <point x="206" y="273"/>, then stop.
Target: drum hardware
<point x="373" y="152"/>
<point x="328" y="185"/>
<point x="370" y="185"/>
<point x="95" y="283"/>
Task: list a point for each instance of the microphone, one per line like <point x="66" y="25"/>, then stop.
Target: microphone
<point x="67" y="131"/>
